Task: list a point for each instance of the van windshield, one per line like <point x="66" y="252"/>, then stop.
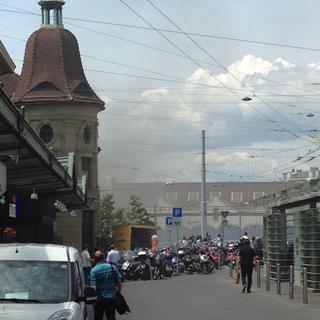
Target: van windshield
<point x="43" y="281"/>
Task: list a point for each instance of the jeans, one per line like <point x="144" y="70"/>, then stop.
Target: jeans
<point x="105" y="306"/>
<point x="246" y="275"/>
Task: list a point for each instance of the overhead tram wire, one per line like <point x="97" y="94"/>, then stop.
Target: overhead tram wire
<point x="266" y="43"/>
<point x="196" y="63"/>
<point x="169" y="76"/>
<point x="184" y="102"/>
<point x="163" y="105"/>
<point x="23" y="11"/>
<point x="109" y="61"/>
<point x="224" y="68"/>
<point x="180" y="55"/>
<point x="277" y="84"/>
<point x="148" y="46"/>
<point x="198" y="122"/>
<point x="156" y="79"/>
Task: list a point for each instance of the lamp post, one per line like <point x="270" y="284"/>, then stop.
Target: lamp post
<point x="224" y="221"/>
<point x="203" y="208"/>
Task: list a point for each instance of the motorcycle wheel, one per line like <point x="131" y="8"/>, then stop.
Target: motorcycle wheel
<point x="189" y="270"/>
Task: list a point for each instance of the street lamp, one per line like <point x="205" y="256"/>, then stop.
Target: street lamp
<point x="224" y="222"/>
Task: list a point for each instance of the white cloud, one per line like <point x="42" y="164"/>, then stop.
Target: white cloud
<point x="160" y="133"/>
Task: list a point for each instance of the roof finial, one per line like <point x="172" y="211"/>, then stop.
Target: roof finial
<point x="56" y="7"/>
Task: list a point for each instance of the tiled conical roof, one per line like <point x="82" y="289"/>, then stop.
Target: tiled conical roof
<point x="52" y="70"/>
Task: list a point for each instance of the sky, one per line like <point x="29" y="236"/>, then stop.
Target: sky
<point x="162" y="88"/>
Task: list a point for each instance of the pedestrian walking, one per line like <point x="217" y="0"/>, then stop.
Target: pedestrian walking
<point x="246" y="261"/>
<point x="113" y="256"/>
<point x="106" y="280"/>
<point x="86" y="262"/>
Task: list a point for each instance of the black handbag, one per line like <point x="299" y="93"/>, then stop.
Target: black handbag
<point x="121" y="303"/>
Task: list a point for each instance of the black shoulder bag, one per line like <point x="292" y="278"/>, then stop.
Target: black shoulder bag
<point x="121" y="304"/>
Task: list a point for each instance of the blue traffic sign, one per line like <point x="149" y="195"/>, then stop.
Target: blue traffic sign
<point x="177" y="212"/>
<point x="169" y="221"/>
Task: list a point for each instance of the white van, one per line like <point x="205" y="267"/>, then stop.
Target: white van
<point x="41" y="282"/>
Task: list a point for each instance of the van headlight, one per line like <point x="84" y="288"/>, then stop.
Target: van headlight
<point x="62" y="315"/>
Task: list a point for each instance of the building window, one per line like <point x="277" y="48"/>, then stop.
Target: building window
<point x="215" y="196"/>
<point x="86" y="135"/>
<point x="193" y="197"/>
<point x="46" y="133"/>
<point x="257" y="195"/>
<point x="86" y="169"/>
<point x="236" y="196"/>
<point x="171" y="196"/>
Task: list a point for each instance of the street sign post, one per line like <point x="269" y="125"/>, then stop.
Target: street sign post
<point x="169" y="222"/>
<point x="177" y="222"/>
<point x="169" y="225"/>
<point x="177" y="212"/>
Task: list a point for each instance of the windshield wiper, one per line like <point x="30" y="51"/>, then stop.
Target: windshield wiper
<point x="21" y="300"/>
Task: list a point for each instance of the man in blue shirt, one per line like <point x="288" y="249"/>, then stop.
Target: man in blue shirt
<point x="106" y="279"/>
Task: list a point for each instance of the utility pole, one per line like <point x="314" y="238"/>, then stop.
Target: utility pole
<point x="203" y="208"/>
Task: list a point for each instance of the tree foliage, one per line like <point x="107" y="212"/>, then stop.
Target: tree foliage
<point x="138" y="214"/>
<point x="111" y="217"/>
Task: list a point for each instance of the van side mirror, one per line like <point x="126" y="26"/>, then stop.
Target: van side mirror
<point x="89" y="291"/>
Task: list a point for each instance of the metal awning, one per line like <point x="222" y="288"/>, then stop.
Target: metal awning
<point x="30" y="164"/>
<point x="299" y="195"/>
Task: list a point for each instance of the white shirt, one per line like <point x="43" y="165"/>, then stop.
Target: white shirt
<point x="85" y="257"/>
<point x="113" y="257"/>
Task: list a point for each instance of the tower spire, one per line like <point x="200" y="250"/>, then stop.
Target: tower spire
<point x="56" y="7"/>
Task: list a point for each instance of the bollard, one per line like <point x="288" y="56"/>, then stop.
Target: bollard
<point x="291" y="282"/>
<point x="278" y="280"/>
<point x="230" y="271"/>
<point x="258" y="274"/>
<point x="267" y="276"/>
<point x="305" y="286"/>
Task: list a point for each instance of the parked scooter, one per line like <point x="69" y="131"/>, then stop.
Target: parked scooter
<point x="137" y="267"/>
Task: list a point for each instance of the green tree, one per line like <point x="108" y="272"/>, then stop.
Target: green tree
<point x="138" y="214"/>
<point x="110" y="218"/>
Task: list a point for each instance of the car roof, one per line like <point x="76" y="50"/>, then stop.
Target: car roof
<point x="37" y="252"/>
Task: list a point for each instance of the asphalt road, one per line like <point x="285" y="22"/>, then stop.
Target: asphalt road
<point x="209" y="297"/>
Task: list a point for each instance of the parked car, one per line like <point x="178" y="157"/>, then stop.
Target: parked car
<point x="42" y="282"/>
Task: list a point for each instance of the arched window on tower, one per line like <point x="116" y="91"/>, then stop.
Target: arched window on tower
<point x="86" y="135"/>
<point x="46" y="133"/>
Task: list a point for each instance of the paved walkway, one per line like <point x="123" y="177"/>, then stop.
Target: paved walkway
<point x="208" y="297"/>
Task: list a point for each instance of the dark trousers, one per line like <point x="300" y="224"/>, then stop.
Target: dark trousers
<point x="246" y="275"/>
<point x="107" y="307"/>
<point x="86" y="273"/>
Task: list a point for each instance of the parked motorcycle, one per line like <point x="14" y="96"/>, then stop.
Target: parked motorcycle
<point x="207" y="264"/>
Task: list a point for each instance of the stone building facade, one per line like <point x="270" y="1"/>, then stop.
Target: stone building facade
<point x="62" y="108"/>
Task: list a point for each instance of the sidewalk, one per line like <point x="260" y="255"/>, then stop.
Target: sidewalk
<point x="213" y="296"/>
<point x="313" y="298"/>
